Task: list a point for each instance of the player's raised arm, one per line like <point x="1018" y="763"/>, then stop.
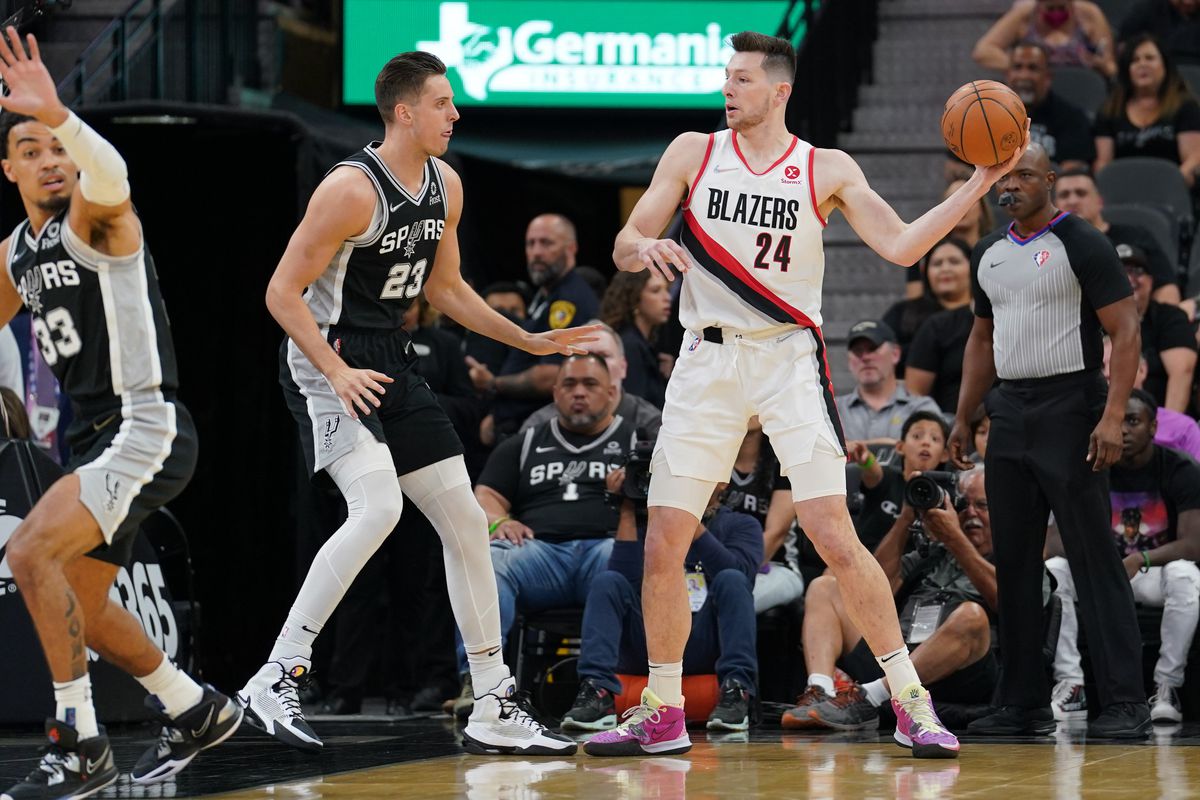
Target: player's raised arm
<point x="101" y="211"/>
<point x="340" y="209"/>
<point x="638" y="246"/>
<point x="449" y="293"/>
<point x="841" y="182"/>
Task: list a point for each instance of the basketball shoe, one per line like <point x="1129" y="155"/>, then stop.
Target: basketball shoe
<point x="918" y="726"/>
<point x="70" y="767"/>
<point x="651" y="728"/>
<point x="504" y="723"/>
<point x="272" y="703"/>
<point x="208" y="723"/>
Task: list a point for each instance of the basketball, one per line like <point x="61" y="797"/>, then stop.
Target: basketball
<point x="984" y="122"/>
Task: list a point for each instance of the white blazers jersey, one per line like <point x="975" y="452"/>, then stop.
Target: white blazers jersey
<point x="757" y="240"/>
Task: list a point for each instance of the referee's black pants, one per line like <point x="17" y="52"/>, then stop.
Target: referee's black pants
<point x="1036" y="464"/>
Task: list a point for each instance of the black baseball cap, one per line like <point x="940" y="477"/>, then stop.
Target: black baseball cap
<point x="876" y="331"/>
<point x="1133" y="256"/>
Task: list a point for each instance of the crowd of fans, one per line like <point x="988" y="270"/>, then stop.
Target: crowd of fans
<point x="558" y="448"/>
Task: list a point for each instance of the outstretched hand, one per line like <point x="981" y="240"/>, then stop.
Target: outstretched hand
<point x="31" y="90"/>
<point x="566" y="341"/>
<point x="994" y="173"/>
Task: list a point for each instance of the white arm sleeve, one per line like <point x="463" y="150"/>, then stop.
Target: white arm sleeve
<point x="103" y="175"/>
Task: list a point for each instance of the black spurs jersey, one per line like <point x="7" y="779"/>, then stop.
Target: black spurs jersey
<point x="554" y="479"/>
<point x="374" y="277"/>
<point x="99" y="320"/>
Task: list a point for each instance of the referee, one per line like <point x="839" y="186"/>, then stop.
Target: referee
<point x="1044" y="288"/>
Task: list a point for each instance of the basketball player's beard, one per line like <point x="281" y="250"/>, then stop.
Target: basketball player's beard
<point x="748" y="120"/>
<point x="54" y="204"/>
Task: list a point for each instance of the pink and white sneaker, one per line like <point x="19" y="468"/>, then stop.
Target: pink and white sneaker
<point x="652" y="728"/>
<point x="918" y="726"/>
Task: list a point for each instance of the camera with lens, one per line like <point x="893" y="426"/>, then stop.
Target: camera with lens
<point x="637" y="471"/>
<point x="930" y="490"/>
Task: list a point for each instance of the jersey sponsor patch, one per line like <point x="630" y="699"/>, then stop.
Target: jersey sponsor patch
<point x="561" y="314"/>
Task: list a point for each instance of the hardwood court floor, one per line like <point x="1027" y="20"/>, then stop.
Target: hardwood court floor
<point x="360" y="762"/>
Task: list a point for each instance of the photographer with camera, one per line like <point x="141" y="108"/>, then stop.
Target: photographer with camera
<point x="945" y="590"/>
<point x="720" y="568"/>
<point x="922" y="445"/>
<point x="544" y="495"/>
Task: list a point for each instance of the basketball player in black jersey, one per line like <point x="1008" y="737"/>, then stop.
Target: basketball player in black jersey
<point x="80" y="264"/>
<point x="380" y="229"/>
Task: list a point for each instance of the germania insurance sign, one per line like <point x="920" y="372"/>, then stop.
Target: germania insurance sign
<point x="571" y="53"/>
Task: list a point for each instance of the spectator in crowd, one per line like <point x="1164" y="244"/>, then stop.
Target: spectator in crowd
<point x="1175" y="23"/>
<point x="11" y="375"/>
<point x="1167" y="340"/>
<point x="981" y="426"/>
<point x="756" y="486"/>
<point x="721" y="564"/>
<point x="1156" y="527"/>
<point x="1075" y="191"/>
<point x="563" y="300"/>
<point x="975" y="224"/>
<point x="635" y="305"/>
<point x="507" y="298"/>
<point x="594" y="278"/>
<point x="874" y="411"/>
<point x="1173" y="429"/>
<point x="947" y="280"/>
<point x="647" y="419"/>
<point x="1059" y="126"/>
<point x="936" y="357"/>
<point x="1150" y="111"/>
<point x="946" y="591"/>
<point x="15" y="420"/>
<point x="923" y="447"/>
<point x="1074" y="32"/>
<point x="544" y="496"/>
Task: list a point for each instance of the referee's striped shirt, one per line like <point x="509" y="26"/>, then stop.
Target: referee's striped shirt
<point x="1042" y="293"/>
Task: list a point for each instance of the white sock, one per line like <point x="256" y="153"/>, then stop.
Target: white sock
<point x="666" y="681"/>
<point x="877" y="692"/>
<point x="487" y="671"/>
<point x="825" y="682"/>
<point x="73" y="705"/>
<point x="173" y="687"/>
<point x="296" y="638"/>
<point x="898" y="669"/>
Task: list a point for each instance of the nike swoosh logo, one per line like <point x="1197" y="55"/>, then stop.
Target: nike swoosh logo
<point x="995" y="264"/>
<point x="103" y="424"/>
<point x="544" y="449"/>
<point x="724" y="169"/>
<point x="398" y="205"/>
<point x="203" y="729"/>
<point x="92" y="766"/>
<point x="310" y="630"/>
<point x="493" y="652"/>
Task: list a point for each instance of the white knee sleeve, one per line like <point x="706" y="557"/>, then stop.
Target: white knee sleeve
<point x="373" y="503"/>
<point x="1181" y="583"/>
<point x="443" y="493"/>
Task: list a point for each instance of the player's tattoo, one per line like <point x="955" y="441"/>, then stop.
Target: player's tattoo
<point x="75" y="635"/>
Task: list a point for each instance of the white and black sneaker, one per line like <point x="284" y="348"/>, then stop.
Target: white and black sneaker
<point x="70" y="767"/>
<point x="272" y="703"/>
<point x="208" y="723"/>
<point x="503" y="722"/>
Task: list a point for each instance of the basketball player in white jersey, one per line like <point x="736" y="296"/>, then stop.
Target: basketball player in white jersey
<point x="755" y="199"/>
<point x="380" y="229"/>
